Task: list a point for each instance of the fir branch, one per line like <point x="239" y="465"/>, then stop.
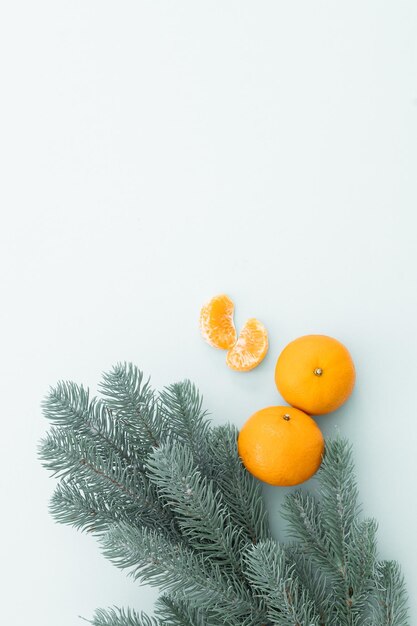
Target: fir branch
<point x="174" y="612"/>
<point x="90" y="443"/>
<point x="288" y="604"/>
<point x="121" y="617"/>
<point x="85" y="510"/>
<point x="76" y="504"/>
<point x="361" y="559"/>
<point x="305" y="516"/>
<point x="339" y="497"/>
<point x="242" y="493"/>
<point x="170" y="499"/>
<point x="181" y="405"/>
<point x="332" y="537"/>
<point x="177" y="569"/>
<point x="352" y="544"/>
<point x="133" y="404"/>
<point x="390" y="596"/>
<point x="74" y="457"/>
<point x="315" y="582"/>
<point x="66" y="452"/>
<point x="199" y="508"/>
<point x="179" y="613"/>
<point x="66" y="404"/>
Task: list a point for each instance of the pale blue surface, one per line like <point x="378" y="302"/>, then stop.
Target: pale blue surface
<point x="156" y="153"/>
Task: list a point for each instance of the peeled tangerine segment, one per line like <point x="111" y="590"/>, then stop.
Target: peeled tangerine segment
<point x="250" y="348"/>
<point x="216" y="322"/>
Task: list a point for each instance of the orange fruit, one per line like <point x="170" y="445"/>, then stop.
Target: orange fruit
<point x="281" y="445"/>
<point x="250" y="348"/>
<point x="216" y="322"/>
<point x="315" y="373"/>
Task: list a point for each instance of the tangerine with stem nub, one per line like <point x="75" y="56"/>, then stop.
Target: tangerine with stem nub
<point x="315" y="373"/>
<point x="281" y="445"/>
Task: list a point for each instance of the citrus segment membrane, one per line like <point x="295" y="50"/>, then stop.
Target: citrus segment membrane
<point x="216" y="322"/>
<point x="250" y="348"/>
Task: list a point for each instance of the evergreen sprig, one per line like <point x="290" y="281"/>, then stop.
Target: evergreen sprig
<point x="334" y="541"/>
<point x="181" y="407"/>
<point x="390" y="602"/>
<point x="182" y="613"/>
<point x="243" y="494"/>
<point x="176" y="568"/>
<point x="277" y="583"/>
<point x="121" y="617"/>
<point x="134" y="407"/>
<point x="200" y="508"/>
<point x="171" y="502"/>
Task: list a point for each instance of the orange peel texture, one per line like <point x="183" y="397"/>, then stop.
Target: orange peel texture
<point x="281" y="445"/>
<point x="315" y="373"/>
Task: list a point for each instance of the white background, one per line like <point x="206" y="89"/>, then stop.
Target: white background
<point x="157" y="153"/>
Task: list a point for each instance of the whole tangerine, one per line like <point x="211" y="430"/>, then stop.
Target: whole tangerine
<point x="315" y="373"/>
<point x="281" y="445"/>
